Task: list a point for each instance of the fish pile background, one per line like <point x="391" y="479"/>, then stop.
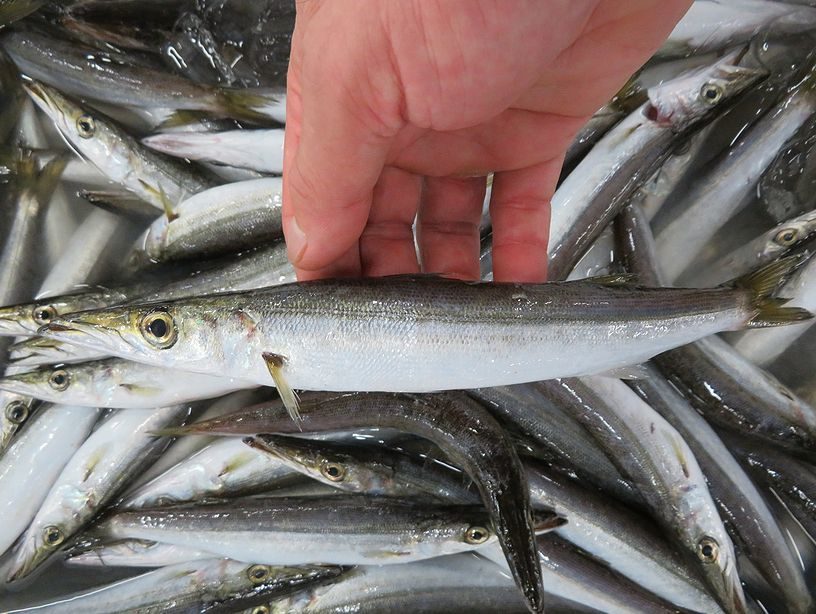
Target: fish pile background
<point x="183" y="428"/>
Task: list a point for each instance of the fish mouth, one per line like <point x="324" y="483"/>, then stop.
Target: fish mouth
<point x="41" y="97"/>
<point x="84" y="334"/>
<point x="17" y="386"/>
<point x="26" y="562"/>
<point x="11" y="324"/>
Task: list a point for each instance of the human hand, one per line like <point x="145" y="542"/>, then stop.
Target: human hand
<point x="398" y="109"/>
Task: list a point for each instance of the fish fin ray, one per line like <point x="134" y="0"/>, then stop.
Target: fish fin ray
<point x="275" y="364"/>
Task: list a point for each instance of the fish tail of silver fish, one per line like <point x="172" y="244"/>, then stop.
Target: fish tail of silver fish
<point x="763" y="285"/>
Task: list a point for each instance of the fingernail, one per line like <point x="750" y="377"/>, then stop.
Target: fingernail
<point x="295" y="241"/>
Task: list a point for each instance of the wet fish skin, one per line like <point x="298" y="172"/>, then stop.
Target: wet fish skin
<point x="115" y="79"/>
<point x="133" y="553"/>
<point x="590" y="197"/>
<point x="585" y="581"/>
<point x="458" y="583"/>
<point x="750" y="521"/>
<point x="725" y="388"/>
<point x="117" y="384"/>
<point x="368" y="469"/>
<point x="33" y="462"/>
<point x="628" y="542"/>
<point x="789" y="479"/>
<point x="200" y="586"/>
<point x="345" y="530"/>
<point x="154" y="178"/>
<point x="259" y="150"/>
<point x="397" y="334"/>
<point x="224" y="468"/>
<point x="775" y="243"/>
<point x="539" y="421"/>
<point x="221" y="220"/>
<point x="653" y="455"/>
<point x="464" y="431"/>
<point x="114" y="453"/>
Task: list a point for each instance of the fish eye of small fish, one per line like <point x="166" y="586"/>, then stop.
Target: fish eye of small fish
<point x="257" y="574"/>
<point x="708" y="550"/>
<point x="59" y="380"/>
<point x="335" y="472"/>
<point x="159" y="329"/>
<point x="43" y="314"/>
<point x="476" y="535"/>
<point x="711" y="93"/>
<point x="17" y="412"/>
<point x="786" y="237"/>
<point x="86" y="126"/>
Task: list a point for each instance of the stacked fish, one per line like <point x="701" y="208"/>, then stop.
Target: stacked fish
<point x="187" y="429"/>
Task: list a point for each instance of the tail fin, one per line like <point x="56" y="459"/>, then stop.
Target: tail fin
<point x="764" y="283"/>
<point x="246" y="104"/>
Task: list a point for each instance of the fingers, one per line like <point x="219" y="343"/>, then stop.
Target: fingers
<point x="338" y="152"/>
<point x="448" y="226"/>
<point x="520" y="212"/>
<point x="344" y="265"/>
<point x="387" y="244"/>
<point x="516" y="138"/>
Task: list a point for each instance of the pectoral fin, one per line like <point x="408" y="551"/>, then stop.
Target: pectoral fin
<point x="275" y="363"/>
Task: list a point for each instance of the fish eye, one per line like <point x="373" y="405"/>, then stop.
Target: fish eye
<point x="43" y="315"/>
<point x="708" y="550"/>
<point x="53" y="536"/>
<point x="476" y="535"/>
<point x="59" y="380"/>
<point x="261" y="609"/>
<point x="16" y="412"/>
<point x="711" y="93"/>
<point x="258" y="573"/>
<point x="786" y="237"/>
<point x="86" y="126"/>
<point x="332" y="471"/>
<point x="159" y="329"/>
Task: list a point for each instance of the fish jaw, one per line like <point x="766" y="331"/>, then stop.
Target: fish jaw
<point x="94" y="332"/>
<point x="22" y="383"/>
<point x="13" y="321"/>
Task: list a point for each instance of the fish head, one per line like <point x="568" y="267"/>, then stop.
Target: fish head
<point x="162" y="334"/>
<point x="52" y="383"/>
<point x="37" y="351"/>
<point x="685" y="101"/>
<point x="318" y="460"/>
<point x="37" y="545"/>
<point x="16" y="410"/>
<point x="28" y="318"/>
<point x="720" y="571"/>
<point x="85" y="130"/>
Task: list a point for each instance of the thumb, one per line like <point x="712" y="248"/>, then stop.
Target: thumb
<point x="340" y="148"/>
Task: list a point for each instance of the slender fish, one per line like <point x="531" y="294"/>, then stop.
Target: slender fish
<point x="196" y="586"/>
<point x="116" y="452"/>
<point x="343" y="530"/>
<point x="463" y="430"/>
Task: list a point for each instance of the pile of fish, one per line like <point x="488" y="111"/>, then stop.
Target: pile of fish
<point x="185" y="428"/>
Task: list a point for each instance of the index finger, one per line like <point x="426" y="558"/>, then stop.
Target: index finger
<point x="336" y="158"/>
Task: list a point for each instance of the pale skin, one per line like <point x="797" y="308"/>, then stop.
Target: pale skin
<point x="397" y="109"/>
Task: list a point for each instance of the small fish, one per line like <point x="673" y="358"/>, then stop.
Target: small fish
<point x="15" y="411"/>
<point x="34" y="462"/>
<point x="118" y="384"/>
<point x="467" y="434"/>
<point x="159" y="181"/>
<point x="196" y="586"/>
<point x="399" y="333"/>
<point x="113" y="454"/>
<point x="343" y="530"/>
